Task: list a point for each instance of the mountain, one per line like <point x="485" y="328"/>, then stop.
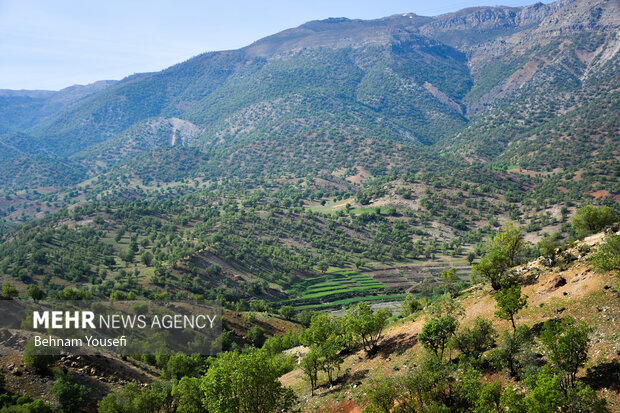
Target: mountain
<point x="399" y="161"/>
<point x="491" y="109"/>
<point x="416" y="127"/>
<point x="216" y="89"/>
<point x="21" y="110"/>
<point x="405" y="81"/>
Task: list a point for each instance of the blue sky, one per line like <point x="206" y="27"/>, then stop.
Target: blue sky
<point x="54" y="44"/>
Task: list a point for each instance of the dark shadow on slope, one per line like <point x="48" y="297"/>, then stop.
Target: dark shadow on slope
<point x="394" y="345"/>
<point x="605" y="375"/>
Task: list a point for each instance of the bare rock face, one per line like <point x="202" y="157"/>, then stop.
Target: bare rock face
<point x="489" y="18"/>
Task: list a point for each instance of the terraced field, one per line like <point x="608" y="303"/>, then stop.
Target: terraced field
<point x="335" y="288"/>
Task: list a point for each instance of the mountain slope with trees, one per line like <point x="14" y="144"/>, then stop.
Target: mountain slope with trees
<point x="318" y="180"/>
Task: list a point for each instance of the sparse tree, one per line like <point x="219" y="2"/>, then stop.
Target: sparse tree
<point x="548" y="248"/>
<point x="504" y="252"/>
<point x="361" y="321"/>
<point x="436" y="334"/>
<point x="311" y="364"/>
<point x="509" y="302"/>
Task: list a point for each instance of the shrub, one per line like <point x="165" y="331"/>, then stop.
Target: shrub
<point x="256" y="336"/>
<point x="472" y="342"/>
<point x="38" y="358"/>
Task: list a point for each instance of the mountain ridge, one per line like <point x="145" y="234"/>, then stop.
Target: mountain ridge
<point x="431" y="90"/>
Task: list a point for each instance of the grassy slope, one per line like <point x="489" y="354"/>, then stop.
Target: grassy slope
<point x="585" y="296"/>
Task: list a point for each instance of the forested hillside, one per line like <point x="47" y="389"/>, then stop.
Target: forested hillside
<point x="326" y="174"/>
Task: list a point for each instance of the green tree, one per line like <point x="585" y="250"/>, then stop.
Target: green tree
<point x="445" y="305"/>
<point x="410" y="305"/>
<point x="607" y="257"/>
<point x="288" y="312"/>
<point x="130" y="399"/>
<point x="327" y="337"/>
<point x="244" y="383"/>
<point x="133" y="398"/>
<point x="368" y="326"/>
<point x="147" y="258"/>
<point x="548" y="395"/>
<point x="488" y="398"/>
<point x="548" y="249"/>
<point x="448" y="278"/>
<point x="471" y="256"/>
<point x="129" y="256"/>
<point x="590" y="219"/>
<point x="329" y="352"/>
<point x="187" y="395"/>
<point x="510" y="242"/>
<point x="436" y="334"/>
<point x="514" y="350"/>
<point x="381" y="395"/>
<point x="492" y="267"/>
<point x="567" y="346"/>
<point x="322" y="328"/>
<point x="430" y="386"/>
<point x="582" y="398"/>
<point x="181" y="365"/>
<point x="160" y="398"/>
<point x="323" y="266"/>
<point x="311" y="365"/>
<point x="9" y="291"/>
<point x="512" y="401"/>
<point x="256" y="336"/>
<point x="69" y="395"/>
<point x="509" y="302"/>
<point x="504" y="252"/>
<point x="37" y="406"/>
<point x="35" y="292"/>
<point x="39" y="358"/>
